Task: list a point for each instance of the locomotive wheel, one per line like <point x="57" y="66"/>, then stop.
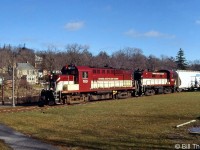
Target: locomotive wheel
<point x="149" y="92"/>
<point x="167" y="90"/>
<point x="179" y="90"/>
<point x="86" y="98"/>
<point x="51" y="102"/>
<point x="114" y="96"/>
<point x="41" y="103"/>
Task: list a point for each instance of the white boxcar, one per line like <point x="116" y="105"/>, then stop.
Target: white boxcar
<point x="188" y="79"/>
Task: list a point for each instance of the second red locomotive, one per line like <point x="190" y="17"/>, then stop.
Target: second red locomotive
<point x="150" y="83"/>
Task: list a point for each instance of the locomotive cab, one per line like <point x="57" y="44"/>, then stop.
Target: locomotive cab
<point x="72" y="85"/>
<point x="59" y="83"/>
<point x="68" y="80"/>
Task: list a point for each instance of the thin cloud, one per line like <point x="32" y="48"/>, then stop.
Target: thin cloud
<point x="74" y="26"/>
<point x="149" y="34"/>
<point x="197" y="22"/>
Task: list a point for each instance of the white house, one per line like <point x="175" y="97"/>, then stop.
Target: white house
<point x="28" y="71"/>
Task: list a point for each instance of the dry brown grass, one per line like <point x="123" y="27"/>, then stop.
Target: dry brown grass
<point x="137" y="123"/>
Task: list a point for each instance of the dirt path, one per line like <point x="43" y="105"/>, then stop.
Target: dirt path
<point x="19" y="141"/>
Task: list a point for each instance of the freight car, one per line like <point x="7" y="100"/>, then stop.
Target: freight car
<point x="189" y="80"/>
<point x="79" y="84"/>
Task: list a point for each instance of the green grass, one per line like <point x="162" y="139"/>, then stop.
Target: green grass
<point x="137" y="123"/>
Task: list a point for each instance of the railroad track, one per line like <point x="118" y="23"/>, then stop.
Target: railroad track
<point x="35" y="108"/>
<point x="27" y="108"/>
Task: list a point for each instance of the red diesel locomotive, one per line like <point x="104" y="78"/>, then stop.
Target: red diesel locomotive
<point x="78" y="84"/>
<point x="157" y="82"/>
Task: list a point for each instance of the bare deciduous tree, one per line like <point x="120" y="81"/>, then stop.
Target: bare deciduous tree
<point x="86" y="58"/>
<point x="52" y="59"/>
<point x="195" y="65"/>
<point x="167" y="63"/>
<point x="101" y="60"/>
<point x="74" y="52"/>
<point x="153" y="63"/>
<point x="6" y="58"/>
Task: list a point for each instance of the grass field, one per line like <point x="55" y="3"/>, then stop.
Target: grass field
<point x="136" y="123"/>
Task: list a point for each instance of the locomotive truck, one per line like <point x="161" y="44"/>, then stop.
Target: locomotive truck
<point x="78" y="84"/>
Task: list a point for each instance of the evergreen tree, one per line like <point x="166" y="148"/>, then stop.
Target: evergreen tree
<point x="180" y="60"/>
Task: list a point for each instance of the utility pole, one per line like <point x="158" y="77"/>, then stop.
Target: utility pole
<point x="2" y="91"/>
<point x="13" y="85"/>
<point x="13" y="80"/>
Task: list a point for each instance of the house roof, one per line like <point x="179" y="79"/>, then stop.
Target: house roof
<point x="24" y="66"/>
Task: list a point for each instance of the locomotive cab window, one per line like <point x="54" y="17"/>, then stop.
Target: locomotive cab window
<point x="69" y="70"/>
<point x="85" y="74"/>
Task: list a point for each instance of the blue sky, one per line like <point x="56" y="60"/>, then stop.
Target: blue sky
<point x="157" y="27"/>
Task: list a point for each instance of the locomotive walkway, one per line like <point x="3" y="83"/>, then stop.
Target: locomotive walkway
<point x="19" y="141"/>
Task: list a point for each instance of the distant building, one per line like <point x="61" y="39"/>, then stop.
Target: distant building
<point x="27" y="71"/>
<point x="3" y="70"/>
<point x="38" y="67"/>
<point x="38" y="62"/>
<point x="1" y="80"/>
